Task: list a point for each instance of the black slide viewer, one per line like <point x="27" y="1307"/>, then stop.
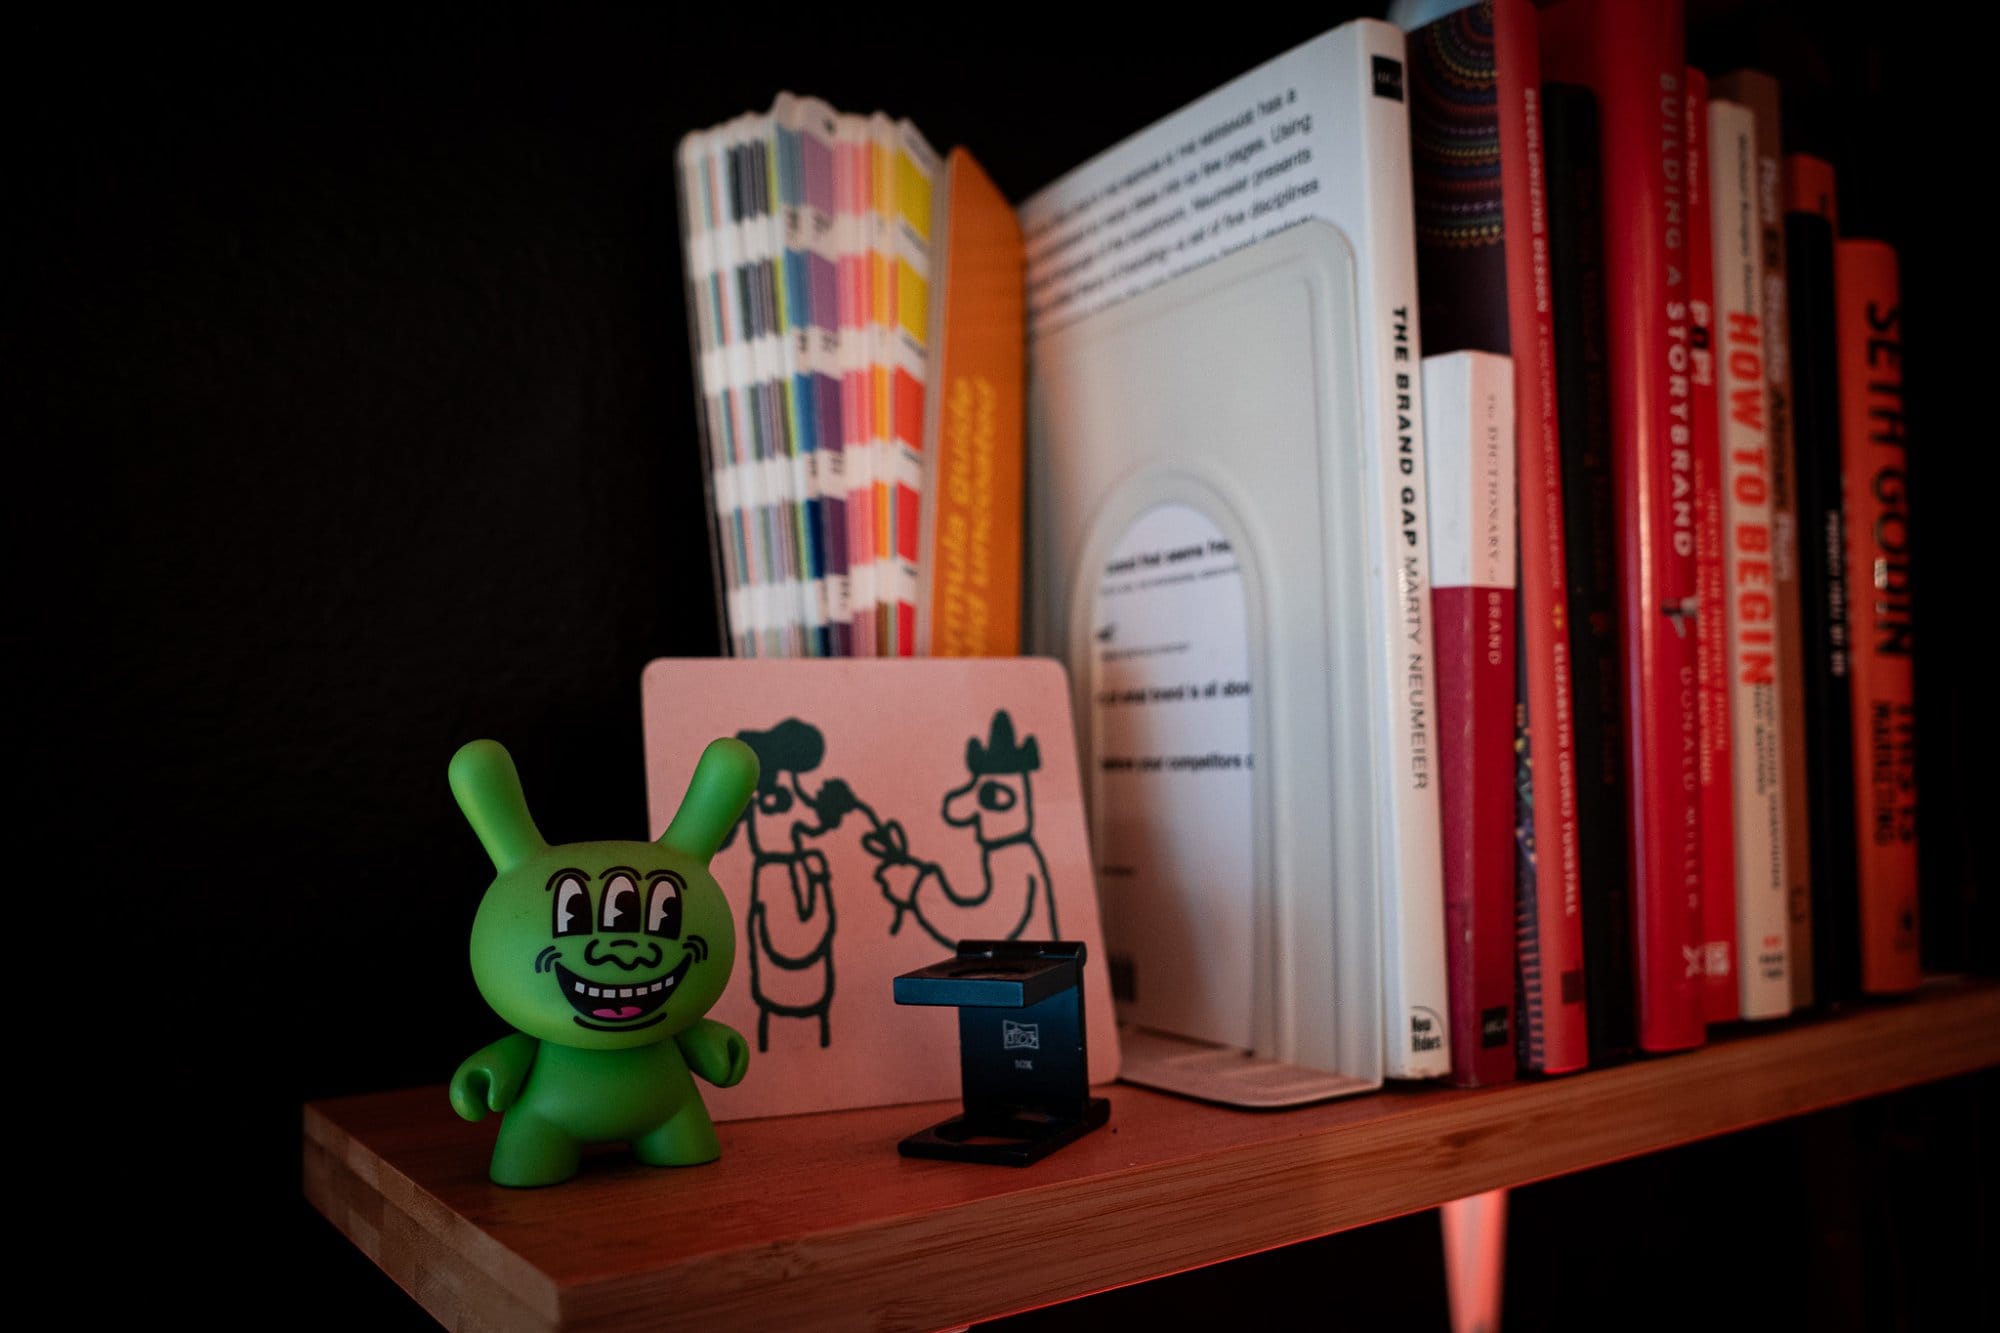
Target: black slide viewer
<point x="1021" y="1051"/>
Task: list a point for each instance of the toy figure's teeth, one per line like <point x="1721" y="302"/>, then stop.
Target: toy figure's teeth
<point x="625" y="992"/>
<point x="637" y="1001"/>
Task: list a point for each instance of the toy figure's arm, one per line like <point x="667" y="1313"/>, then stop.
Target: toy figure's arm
<point x="491" y="1077"/>
<point x="715" y="1051"/>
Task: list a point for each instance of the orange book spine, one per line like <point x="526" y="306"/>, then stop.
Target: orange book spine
<point x="970" y="602"/>
<point x="1875" y="470"/>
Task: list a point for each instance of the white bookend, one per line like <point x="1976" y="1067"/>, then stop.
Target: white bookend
<point x="1321" y="132"/>
<point x="1197" y="538"/>
<point x="1756" y="669"/>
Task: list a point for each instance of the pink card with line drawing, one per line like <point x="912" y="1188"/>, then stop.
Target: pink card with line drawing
<point x="903" y="805"/>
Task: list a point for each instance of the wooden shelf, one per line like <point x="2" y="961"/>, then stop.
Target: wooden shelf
<point x="816" y="1222"/>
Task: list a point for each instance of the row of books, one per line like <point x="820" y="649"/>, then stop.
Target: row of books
<point x="1636" y="598"/>
<point x="1647" y="819"/>
<point x="1711" y="788"/>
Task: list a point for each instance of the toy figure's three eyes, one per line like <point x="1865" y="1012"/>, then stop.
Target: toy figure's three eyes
<point x="625" y="907"/>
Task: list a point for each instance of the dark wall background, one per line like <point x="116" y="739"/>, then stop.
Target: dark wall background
<point x="351" y="419"/>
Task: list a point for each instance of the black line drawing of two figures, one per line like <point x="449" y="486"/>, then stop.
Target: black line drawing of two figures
<point x="791" y="920"/>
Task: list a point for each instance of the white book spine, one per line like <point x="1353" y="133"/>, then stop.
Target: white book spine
<point x="1416" y="1000"/>
<point x="1470" y="400"/>
<point x="1319" y="132"/>
<point x="1756" y="669"/>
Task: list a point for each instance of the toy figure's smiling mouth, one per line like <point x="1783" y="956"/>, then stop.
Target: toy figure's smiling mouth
<point x="617" y="1008"/>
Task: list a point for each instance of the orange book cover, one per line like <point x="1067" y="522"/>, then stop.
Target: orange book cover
<point x="1875" y="469"/>
<point x="969" y="604"/>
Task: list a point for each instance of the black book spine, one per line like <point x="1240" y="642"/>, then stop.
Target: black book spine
<point x="1583" y="418"/>
<point x="1822" y="512"/>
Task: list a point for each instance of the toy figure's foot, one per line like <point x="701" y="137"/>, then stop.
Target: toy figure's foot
<point x="532" y="1152"/>
<point x="686" y="1140"/>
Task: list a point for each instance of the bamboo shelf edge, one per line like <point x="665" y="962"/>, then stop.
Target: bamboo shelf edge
<point x="815" y="1222"/>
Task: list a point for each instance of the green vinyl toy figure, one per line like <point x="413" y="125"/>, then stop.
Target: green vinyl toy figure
<point x="604" y="956"/>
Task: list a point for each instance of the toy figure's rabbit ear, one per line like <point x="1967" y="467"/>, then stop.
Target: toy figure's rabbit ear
<point x="489" y="792"/>
<point x="723" y="782"/>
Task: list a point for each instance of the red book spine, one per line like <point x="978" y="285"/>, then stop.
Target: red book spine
<point x="1720" y="1002"/>
<point x="1476" y="805"/>
<point x="1875" y="470"/>
<point x="1632" y="56"/>
<point x="1544" y="590"/>
<point x="1468" y="404"/>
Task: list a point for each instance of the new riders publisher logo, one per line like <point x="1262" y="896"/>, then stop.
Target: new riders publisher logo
<point x="1020" y="1036"/>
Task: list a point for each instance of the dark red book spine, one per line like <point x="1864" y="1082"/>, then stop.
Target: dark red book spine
<point x="1720" y="1002"/>
<point x="1811" y="223"/>
<point x="1632" y="56"/>
<point x="1876" y="460"/>
<point x="1583" y="405"/>
<point x="1544" y="591"/>
<point x="1475" y="804"/>
<point x="1468" y="403"/>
